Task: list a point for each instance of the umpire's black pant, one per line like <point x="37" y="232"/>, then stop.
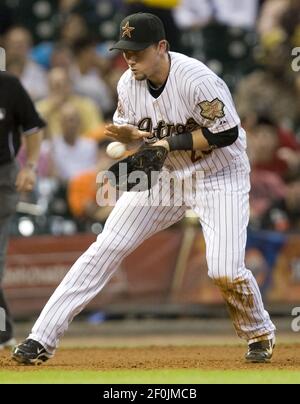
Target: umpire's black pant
<point x="8" y="203"/>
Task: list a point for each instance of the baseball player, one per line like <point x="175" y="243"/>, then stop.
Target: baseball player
<point x="177" y="105"/>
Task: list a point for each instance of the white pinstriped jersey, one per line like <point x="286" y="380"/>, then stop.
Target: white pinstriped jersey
<point x="194" y="96"/>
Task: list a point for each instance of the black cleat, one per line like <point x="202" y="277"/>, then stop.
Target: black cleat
<point x="260" y="352"/>
<point x="30" y="352"/>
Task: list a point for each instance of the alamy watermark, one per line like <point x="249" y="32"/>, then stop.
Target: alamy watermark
<point x="2" y="319"/>
<point x="2" y="60"/>
<point x="296" y="321"/>
<point x="160" y="189"/>
<point x="296" y="60"/>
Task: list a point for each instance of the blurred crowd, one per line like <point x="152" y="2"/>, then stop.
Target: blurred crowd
<point x="59" y="50"/>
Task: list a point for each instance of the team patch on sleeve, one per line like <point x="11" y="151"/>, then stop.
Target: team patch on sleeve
<point x="212" y="109"/>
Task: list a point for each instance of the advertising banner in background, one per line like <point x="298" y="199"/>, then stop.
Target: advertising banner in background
<point x="175" y="274"/>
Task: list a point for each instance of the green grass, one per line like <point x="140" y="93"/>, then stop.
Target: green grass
<point x="180" y="376"/>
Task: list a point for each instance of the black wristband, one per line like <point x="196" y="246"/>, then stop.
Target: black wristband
<point x="184" y="141"/>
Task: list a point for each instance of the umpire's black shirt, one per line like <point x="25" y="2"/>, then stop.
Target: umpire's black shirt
<point x="18" y="117"/>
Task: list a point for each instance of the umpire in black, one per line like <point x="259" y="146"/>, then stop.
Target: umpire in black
<point x="18" y="119"/>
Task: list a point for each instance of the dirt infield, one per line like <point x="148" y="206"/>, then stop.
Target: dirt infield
<point x="287" y="357"/>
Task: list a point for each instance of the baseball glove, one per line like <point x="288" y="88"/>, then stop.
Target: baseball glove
<point x="140" y="171"/>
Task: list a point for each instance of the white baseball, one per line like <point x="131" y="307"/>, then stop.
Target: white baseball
<point x="116" y="150"/>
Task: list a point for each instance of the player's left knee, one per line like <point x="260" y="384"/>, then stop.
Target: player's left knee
<point x="225" y="272"/>
<point x="222" y="277"/>
<point x="224" y="281"/>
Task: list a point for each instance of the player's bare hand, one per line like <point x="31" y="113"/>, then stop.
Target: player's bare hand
<point x="162" y="143"/>
<point x="26" y="180"/>
<point x="125" y="133"/>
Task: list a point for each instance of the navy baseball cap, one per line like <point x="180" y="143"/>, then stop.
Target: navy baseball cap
<point x="140" y="30"/>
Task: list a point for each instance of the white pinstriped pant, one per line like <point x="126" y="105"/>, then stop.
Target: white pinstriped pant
<point x="223" y="208"/>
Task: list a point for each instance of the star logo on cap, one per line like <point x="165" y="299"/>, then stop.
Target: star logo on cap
<point x="127" y="30"/>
